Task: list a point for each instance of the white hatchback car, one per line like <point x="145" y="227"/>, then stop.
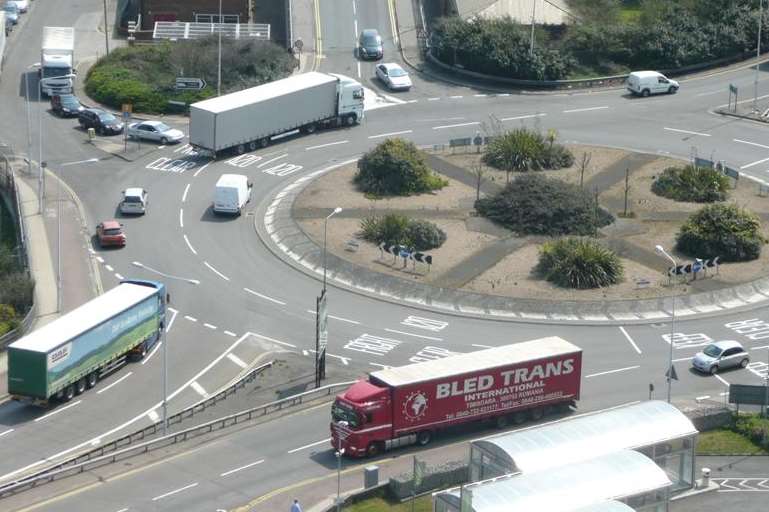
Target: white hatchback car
<point x="720" y="356"/>
<point x="393" y="76"/>
<point x="155" y="131"/>
<point x="134" y="201"/>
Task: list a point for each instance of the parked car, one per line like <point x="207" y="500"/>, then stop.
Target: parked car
<point x="100" y="120"/>
<point x="720" y="356"/>
<point x="11" y="13"/>
<point x="155" y="131"/>
<point x="134" y="201"/>
<point x="393" y="76"/>
<point x="370" y="45"/>
<point x="644" y="83"/>
<point x="66" y="105"/>
<point x="110" y="233"/>
<point x="23" y="5"/>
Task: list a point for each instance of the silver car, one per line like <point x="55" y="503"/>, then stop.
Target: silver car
<point x="155" y="131"/>
<point x="719" y="356"/>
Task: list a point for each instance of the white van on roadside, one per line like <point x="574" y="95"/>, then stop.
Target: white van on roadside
<point x="644" y="83"/>
<point x="232" y="193"/>
<point x="134" y="201"/>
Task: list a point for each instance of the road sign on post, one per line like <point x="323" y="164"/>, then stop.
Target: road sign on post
<point x="190" y="84"/>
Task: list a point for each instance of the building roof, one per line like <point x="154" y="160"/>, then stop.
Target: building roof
<point x="569" y="488"/>
<point x="606" y="506"/>
<point x="87" y="316"/>
<point x="586" y="436"/>
<point x="496" y="357"/>
<point x="264" y="92"/>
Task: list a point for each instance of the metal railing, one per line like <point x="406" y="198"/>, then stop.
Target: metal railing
<point x="121" y="449"/>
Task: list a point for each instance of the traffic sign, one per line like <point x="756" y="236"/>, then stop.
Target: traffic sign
<point x="193" y="84"/>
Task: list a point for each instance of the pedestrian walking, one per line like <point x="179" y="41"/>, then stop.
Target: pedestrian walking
<point x="296" y="507"/>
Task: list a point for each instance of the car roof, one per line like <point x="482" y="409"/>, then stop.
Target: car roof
<point x="391" y="65"/>
<point x="152" y="123"/>
<point x="725" y="344"/>
<point x="133" y="191"/>
<point x="646" y="74"/>
<point x="95" y="110"/>
<point x="110" y="224"/>
<point x="369" y="32"/>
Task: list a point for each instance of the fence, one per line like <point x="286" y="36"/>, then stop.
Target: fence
<point x="121" y="449"/>
<point x="12" y="200"/>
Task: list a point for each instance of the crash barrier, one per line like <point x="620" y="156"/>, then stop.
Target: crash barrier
<point x="99" y="457"/>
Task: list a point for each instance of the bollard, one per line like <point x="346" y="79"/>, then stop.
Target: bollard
<point x="91" y="134"/>
<point x="705" y="483"/>
<point x="370" y="476"/>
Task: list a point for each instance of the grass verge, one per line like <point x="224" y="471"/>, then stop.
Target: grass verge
<point x="726" y="442"/>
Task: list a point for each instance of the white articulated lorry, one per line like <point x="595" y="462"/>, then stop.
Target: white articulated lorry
<point x="57" y="60"/>
<point x="246" y="120"/>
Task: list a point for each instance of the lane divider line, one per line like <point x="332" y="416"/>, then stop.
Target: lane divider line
<point x="57" y="411"/>
<point x="612" y="371"/>
<point x="265" y="297"/>
<point x="216" y="271"/>
<point x="121" y="379"/>
<point x="166" y="495"/>
<point x="241" y="468"/>
<point x="622" y="329"/>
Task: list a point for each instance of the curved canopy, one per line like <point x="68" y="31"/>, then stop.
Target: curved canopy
<point x="584" y="437"/>
<point x="583" y="486"/>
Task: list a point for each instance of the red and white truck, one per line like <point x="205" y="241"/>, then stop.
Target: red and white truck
<point x="406" y="405"/>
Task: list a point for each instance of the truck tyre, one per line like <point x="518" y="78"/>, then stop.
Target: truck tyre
<point x="69" y="393"/>
<point x="264" y="142"/>
<point x="241" y="149"/>
<point x="91" y="380"/>
<point x="645" y="93"/>
<point x="350" y="120"/>
<point x="537" y="413"/>
<point x="80" y="386"/>
<point x="519" y="418"/>
<point x="252" y="146"/>
<point x="374" y="448"/>
<point x="310" y="128"/>
<point x="501" y="422"/>
<point x="424" y="437"/>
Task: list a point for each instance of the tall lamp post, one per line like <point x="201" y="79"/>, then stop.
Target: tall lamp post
<point x="29" y="137"/>
<point x="341" y="425"/>
<point x="106" y="28"/>
<point x="325" y="232"/>
<point x="661" y="251"/>
<point x="219" y="68"/>
<point x="758" y="54"/>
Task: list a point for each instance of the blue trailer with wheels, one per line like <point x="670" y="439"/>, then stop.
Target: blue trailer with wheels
<point x="70" y="354"/>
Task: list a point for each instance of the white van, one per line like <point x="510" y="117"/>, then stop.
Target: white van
<point x="232" y="193"/>
<point x="134" y="201"/>
<point x="644" y="83"/>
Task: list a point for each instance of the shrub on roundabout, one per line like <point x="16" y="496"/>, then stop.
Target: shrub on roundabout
<point x="724" y="230"/>
<point x="535" y="205"/>
<point x="396" y="168"/>
<point x="579" y="263"/>
<point x="523" y="150"/>
<point x="394" y="229"/>
<point x="692" y="184"/>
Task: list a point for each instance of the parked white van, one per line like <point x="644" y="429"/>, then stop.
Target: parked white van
<point x="232" y="193"/>
<point x="134" y="201"/>
<point x="644" y="83"/>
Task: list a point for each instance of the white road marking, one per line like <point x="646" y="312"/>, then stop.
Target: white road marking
<point x="703" y="397"/>
<point x="455" y="125"/>
<point x="190" y="318"/>
<point x="709" y="93"/>
<point x="359" y="73"/>
<point x="355" y="28"/>
<point x="119" y="276"/>
<point x="200" y="170"/>
<point x="265" y="297"/>
<point x="326" y="145"/>
<point x="456" y="97"/>
<point x="109" y="268"/>
<point x="190" y="245"/>
<point x="210" y="326"/>
<point x="751" y="164"/>
<point x="121" y="379"/>
<point x="584" y="109"/>
<point x="383" y="366"/>
<point x="630" y="339"/>
<point x="682" y="359"/>
<point x="230" y="333"/>
<point x="481" y="346"/>
<point x="166" y="495"/>
<point x="154" y="416"/>
<point x="412" y="101"/>
<point x="759" y="348"/>
<point x="235" y="359"/>
<point x="6" y="432"/>
<point x="241" y="468"/>
<point x="57" y="411"/>
<point x="415" y="335"/>
<point x="198" y="389"/>
<point x="123" y="510"/>
<point x="184" y="195"/>
<point x="284" y="155"/>
<point x="337" y="318"/>
<point x="480" y="95"/>
<point x="723" y="381"/>
<point x="528" y="116"/>
<point x="169" y="276"/>
<point x="503" y="95"/>
<point x="433" y="99"/>
<point x="309" y="445"/>
<point x="751" y="143"/>
<point x="354" y="13"/>
<point x="345" y="360"/>
<point x="99" y="259"/>
<point x="612" y="371"/>
<point x="216" y="271"/>
<point x="181" y="217"/>
<point x="392" y="133"/>
<point x="686" y="131"/>
<point x="273" y="340"/>
<point x="149" y="356"/>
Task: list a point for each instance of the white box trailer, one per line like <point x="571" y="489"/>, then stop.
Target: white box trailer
<point x="57" y="60"/>
<point x="246" y="120"/>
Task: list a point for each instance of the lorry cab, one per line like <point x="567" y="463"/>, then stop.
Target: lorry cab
<point x="362" y="416"/>
<point x="232" y="193"/>
<point x="351" y="96"/>
<point x="644" y="83"/>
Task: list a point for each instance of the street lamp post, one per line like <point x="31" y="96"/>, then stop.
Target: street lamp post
<point x="29" y="140"/>
<point x="661" y="251"/>
<point x="325" y="231"/>
<point x="106" y="28"/>
<point x="758" y="54"/>
<point x="219" y="69"/>
<point x="339" y="452"/>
